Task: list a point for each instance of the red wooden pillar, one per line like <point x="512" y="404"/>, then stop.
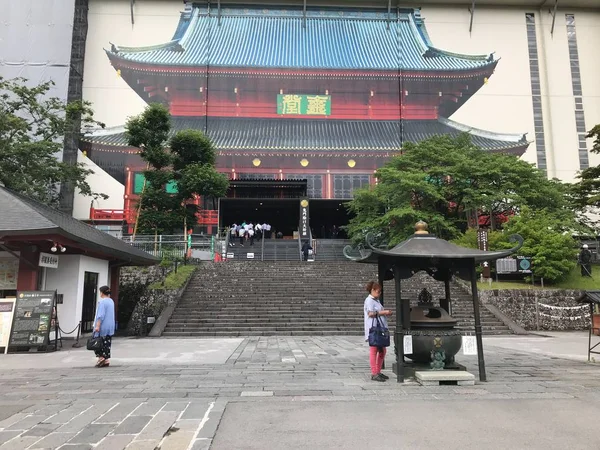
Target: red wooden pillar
<point x="115" y="274"/>
<point x="27" y="279"/>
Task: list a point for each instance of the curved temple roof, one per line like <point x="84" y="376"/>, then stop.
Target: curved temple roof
<point x="428" y="249"/>
<point x="266" y="135"/>
<point x="276" y="38"/>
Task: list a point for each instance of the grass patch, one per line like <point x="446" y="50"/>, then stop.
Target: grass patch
<point x="175" y="280"/>
<point x="574" y="280"/>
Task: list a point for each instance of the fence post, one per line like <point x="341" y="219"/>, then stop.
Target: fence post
<point x="537" y="313"/>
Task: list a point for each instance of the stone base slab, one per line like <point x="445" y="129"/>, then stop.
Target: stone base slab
<point x="442" y="377"/>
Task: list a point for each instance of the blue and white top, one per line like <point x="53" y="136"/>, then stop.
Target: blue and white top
<point x="371" y="305"/>
<point x="106" y="314"/>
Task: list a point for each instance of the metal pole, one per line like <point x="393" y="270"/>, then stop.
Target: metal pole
<point x="537" y="314"/>
<point x="447" y="305"/>
<point x="399" y="328"/>
<point x="380" y="278"/>
<point x="478" y="333"/>
<point x="591" y="329"/>
<point x="471" y="29"/>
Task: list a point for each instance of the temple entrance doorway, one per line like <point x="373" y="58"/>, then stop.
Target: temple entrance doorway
<point x="282" y="214"/>
<point x="327" y="217"/>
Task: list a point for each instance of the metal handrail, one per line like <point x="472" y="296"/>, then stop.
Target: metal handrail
<point x="299" y="243"/>
<point x="262" y="246"/>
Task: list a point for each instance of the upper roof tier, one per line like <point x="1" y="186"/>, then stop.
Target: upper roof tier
<point x="281" y="39"/>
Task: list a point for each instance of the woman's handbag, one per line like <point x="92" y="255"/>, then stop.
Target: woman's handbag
<point x="94" y="343"/>
<point x="379" y="336"/>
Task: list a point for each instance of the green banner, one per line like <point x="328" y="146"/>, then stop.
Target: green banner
<point x="305" y="105"/>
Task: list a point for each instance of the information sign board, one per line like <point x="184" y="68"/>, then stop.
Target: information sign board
<point x="32" y="318"/>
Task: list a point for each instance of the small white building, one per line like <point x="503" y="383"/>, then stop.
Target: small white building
<point x="44" y="249"/>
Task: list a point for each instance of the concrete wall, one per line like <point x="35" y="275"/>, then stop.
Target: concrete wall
<point x="99" y="181"/>
<point x="68" y="280"/>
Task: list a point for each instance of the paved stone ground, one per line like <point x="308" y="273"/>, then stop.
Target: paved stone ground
<point x="177" y="401"/>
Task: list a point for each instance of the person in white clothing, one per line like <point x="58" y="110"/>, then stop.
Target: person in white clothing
<point x="374" y="310"/>
<point x="242" y="233"/>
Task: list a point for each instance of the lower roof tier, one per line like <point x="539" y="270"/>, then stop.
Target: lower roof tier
<point x="264" y="136"/>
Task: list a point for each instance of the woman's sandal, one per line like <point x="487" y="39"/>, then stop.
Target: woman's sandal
<point x="104" y="363"/>
<point x="100" y="362"/>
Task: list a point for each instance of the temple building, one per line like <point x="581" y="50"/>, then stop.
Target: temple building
<point x="321" y="95"/>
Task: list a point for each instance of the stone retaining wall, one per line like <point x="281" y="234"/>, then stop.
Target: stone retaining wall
<point x="556" y="309"/>
<point x="152" y="304"/>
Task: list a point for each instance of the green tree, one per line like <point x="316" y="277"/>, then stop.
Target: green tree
<point x="586" y="192"/>
<point x="179" y="168"/>
<point x="547" y="240"/>
<point x="32" y="130"/>
<point x="440" y="180"/>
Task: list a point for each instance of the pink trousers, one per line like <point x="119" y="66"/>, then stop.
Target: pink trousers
<point x="376" y="358"/>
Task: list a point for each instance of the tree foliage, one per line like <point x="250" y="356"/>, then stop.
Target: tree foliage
<point x="185" y="162"/>
<point x="32" y="130"/>
<point x="587" y="190"/>
<point x="547" y="240"/>
<point x="441" y="180"/>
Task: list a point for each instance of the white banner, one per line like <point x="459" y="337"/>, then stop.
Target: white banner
<point x="469" y="345"/>
<point x="408" y="348"/>
<point x="7" y="309"/>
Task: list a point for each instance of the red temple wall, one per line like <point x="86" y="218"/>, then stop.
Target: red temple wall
<point x="350" y="99"/>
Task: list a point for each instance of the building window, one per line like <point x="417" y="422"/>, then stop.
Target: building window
<point x="345" y="185"/>
<point x="314" y="184"/>
<point x="577" y="91"/>
<point x="536" y="91"/>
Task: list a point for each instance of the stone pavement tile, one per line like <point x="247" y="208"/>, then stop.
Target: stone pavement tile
<point x="77" y="447"/>
<point x="149" y="408"/>
<point x="53" y="440"/>
<point x="66" y="414"/>
<point x="196" y="410"/>
<point x="176" y="406"/>
<point x="177" y="440"/>
<point x="257" y="393"/>
<point x="84" y="419"/>
<point x="19" y="443"/>
<point x="9" y="410"/>
<point x="187" y="424"/>
<point x="12" y="420"/>
<point x="132" y="425"/>
<point x="202" y="444"/>
<point x="119" y="412"/>
<point x="27" y="422"/>
<point x="116" y="442"/>
<point x="42" y="429"/>
<point x="92" y="434"/>
<point x="159" y="425"/>
<point x="151" y="444"/>
<point x="8" y="435"/>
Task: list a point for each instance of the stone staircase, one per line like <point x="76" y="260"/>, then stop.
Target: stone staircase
<point x="237" y="298"/>
<point x="274" y="250"/>
<point x="330" y="249"/>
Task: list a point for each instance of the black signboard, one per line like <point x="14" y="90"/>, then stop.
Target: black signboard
<point x="524" y="264"/>
<point x="304" y="219"/>
<point x="32" y="319"/>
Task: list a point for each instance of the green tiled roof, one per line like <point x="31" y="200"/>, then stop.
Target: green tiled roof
<point x="277" y="38"/>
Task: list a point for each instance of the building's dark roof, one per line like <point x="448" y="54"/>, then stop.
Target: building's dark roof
<point x="22" y="216"/>
<point x="590" y="297"/>
<point x="300" y="135"/>
<point x="429" y="250"/>
<point x="266" y="37"/>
